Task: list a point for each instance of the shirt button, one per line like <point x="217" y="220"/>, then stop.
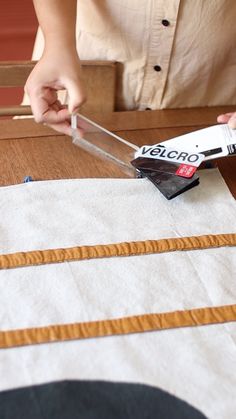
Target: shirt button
<point x="165" y="22"/>
<point x="157" y="68"/>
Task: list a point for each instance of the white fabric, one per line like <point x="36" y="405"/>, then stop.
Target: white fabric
<point x="196" y="364"/>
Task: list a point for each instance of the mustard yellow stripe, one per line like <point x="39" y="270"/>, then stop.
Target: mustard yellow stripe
<point x="39" y="257"/>
<point x="120" y="326"/>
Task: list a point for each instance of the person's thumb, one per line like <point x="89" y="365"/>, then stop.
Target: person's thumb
<point x="232" y="121"/>
<point x="77" y="96"/>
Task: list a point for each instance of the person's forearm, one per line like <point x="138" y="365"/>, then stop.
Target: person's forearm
<point x="57" y="19"/>
<point x="58" y="68"/>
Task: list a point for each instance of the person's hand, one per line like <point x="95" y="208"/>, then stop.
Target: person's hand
<point x="56" y="70"/>
<point x="228" y="118"/>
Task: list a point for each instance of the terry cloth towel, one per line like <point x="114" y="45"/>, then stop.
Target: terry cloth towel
<point x="195" y="364"/>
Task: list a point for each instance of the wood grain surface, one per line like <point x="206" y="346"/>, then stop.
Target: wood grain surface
<point x="29" y="149"/>
<point x="124" y="121"/>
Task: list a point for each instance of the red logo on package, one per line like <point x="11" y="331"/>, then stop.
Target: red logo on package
<point x="185" y="170"/>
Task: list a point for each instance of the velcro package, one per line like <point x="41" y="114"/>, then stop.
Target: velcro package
<point x="163" y="175"/>
<point x="214" y="142"/>
<point x="182" y="156"/>
<point x="171" y="170"/>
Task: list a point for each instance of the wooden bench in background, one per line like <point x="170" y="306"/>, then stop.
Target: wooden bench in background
<point x="99" y="77"/>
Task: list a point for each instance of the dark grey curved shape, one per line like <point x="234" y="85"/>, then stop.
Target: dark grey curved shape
<point x="93" y="400"/>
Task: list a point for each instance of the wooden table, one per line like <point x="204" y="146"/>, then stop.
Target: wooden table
<point x="30" y="149"/>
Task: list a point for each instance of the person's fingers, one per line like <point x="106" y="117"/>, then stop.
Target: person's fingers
<point x="52" y="116"/>
<point x="228" y="118"/>
<point x="46" y="108"/>
<point x="62" y="127"/>
<point x="224" y="117"/>
<point x="65" y="128"/>
<point x="57" y="106"/>
<point x="76" y="96"/>
<point x="232" y="121"/>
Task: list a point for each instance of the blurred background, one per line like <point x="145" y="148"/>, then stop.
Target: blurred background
<point x="18" y="27"/>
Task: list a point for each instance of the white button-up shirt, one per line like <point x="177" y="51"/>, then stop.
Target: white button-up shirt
<point x="172" y="53"/>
